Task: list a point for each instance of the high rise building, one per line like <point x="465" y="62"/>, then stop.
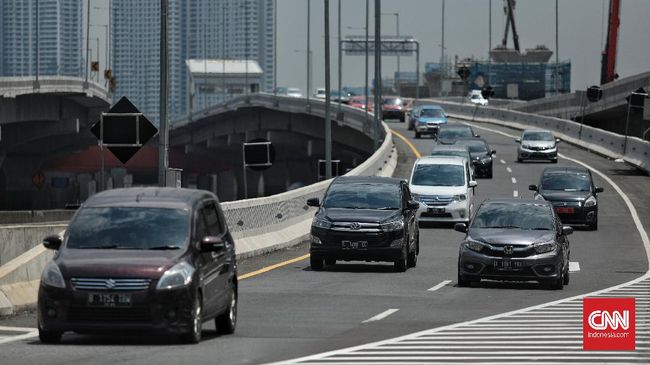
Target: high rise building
<point x="59" y="35"/>
<point x="197" y="29"/>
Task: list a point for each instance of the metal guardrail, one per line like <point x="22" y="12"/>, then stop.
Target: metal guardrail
<point x="10" y="87"/>
<point x="637" y="151"/>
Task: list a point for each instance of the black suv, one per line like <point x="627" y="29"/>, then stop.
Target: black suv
<point x="481" y="154"/>
<point x="572" y="192"/>
<point x="365" y="218"/>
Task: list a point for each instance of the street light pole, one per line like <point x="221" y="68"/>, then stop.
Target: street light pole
<point x="328" y="121"/>
<point x="307" y="93"/>
<point x="275" y="48"/>
<point x="489" y="41"/>
<point x="36" y="51"/>
<point x="442" y="48"/>
<point x="338" y="114"/>
<point x="557" y="46"/>
<point x="367" y="101"/>
<point x="163" y="143"/>
<point x="87" y="42"/>
<point x="378" y="86"/>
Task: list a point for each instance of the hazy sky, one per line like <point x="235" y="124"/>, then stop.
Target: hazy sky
<point x="582" y="29"/>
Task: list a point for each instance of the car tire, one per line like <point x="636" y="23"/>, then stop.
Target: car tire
<point x="316" y="262"/>
<point x="566" y="278"/>
<point x="462" y="282"/>
<point x="330" y="262"/>
<point x="519" y="160"/>
<point x="417" y="135"/>
<point x="410" y="127"/>
<point x="49" y="337"/>
<point x="413" y="258"/>
<point x="594" y="225"/>
<point x="554" y="160"/>
<point x="489" y="174"/>
<point x="194" y="336"/>
<point x="226" y="322"/>
<point x="401" y="263"/>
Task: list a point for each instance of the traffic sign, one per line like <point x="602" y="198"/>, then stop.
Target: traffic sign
<point x="594" y="93"/>
<point x="464" y="72"/>
<point x="259" y="154"/>
<point x="123" y="130"/>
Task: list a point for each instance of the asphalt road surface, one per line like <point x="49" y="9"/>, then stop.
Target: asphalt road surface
<point x="291" y="311"/>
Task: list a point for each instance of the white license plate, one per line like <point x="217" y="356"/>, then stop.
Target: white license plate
<point x="436" y="210"/>
<point x="109" y="300"/>
<point x="347" y="245"/>
<point x="508" y="265"/>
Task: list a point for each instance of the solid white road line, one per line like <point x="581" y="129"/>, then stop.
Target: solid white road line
<point x="574" y="266"/>
<point x="515" y="194"/>
<point x="381" y="315"/>
<point x="514" y="181"/>
<point x="503" y="162"/>
<point x="17" y="329"/>
<point x="19" y="337"/>
<point x="509" y="169"/>
<point x="440" y="285"/>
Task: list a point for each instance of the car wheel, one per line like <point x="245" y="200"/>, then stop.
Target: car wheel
<point x="330" y="262"/>
<point x="316" y="262"/>
<point x="194" y="336"/>
<point x="413" y="257"/>
<point x="462" y="282"/>
<point x="489" y="174"/>
<point x="558" y="284"/>
<point x="227" y="321"/>
<point x="554" y="160"/>
<point x="50" y="337"/>
<point x="410" y="127"/>
<point x="594" y="225"/>
<point x="519" y="160"/>
<point x="566" y="278"/>
<point x="400" y="263"/>
<point x="417" y="135"/>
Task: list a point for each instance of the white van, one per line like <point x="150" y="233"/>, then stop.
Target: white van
<point x="444" y="187"/>
<point x="476" y="97"/>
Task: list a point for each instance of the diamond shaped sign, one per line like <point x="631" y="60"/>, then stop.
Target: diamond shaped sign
<point x="124" y="135"/>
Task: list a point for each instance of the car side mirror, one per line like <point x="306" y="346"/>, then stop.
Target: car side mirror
<point x="598" y="190"/>
<point x="518" y="140"/>
<point x="212" y="244"/>
<point x="557" y="140"/>
<point x="477" y="136"/>
<point x="460" y="227"/>
<point x="567" y="230"/>
<point x="413" y="205"/>
<point x="532" y="187"/>
<point x="473" y="184"/>
<point x="52" y="242"/>
<point x="313" y="202"/>
<point x="493" y="153"/>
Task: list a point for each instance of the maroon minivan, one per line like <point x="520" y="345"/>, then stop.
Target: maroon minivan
<point x="158" y="260"/>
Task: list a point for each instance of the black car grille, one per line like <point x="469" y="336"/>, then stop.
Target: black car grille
<point x="566" y="204"/>
<point x="110" y="284"/>
<point x="374" y="239"/>
<point x="538" y="148"/>
<point x="355" y="227"/>
<point x="498" y="251"/>
<point x="89" y="314"/>
<point x="435" y="215"/>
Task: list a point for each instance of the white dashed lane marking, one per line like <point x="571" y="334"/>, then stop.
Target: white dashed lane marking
<point x="503" y="162"/>
<point x="381" y="315"/>
<point x="444" y="283"/>
<point x="515" y="194"/>
<point x="514" y="181"/>
<point x="11" y="334"/>
<point x="509" y="170"/>
<point x="574" y="266"/>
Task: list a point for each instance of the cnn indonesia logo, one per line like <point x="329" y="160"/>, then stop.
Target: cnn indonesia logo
<point x="608" y="324"/>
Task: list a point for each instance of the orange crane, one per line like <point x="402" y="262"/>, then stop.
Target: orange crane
<point x="608" y="66"/>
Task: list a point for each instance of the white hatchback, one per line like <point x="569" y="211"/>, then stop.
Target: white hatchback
<point x="444" y="187"/>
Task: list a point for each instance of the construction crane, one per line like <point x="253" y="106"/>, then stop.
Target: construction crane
<point x="608" y="66"/>
<point x="509" y="8"/>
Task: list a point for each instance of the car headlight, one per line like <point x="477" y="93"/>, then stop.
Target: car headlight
<point x="591" y="201"/>
<point x="177" y="276"/>
<point x="416" y="197"/>
<point x="393" y="225"/>
<point x="315" y="240"/>
<point x="525" y="146"/>
<point x="474" y="245"/>
<point x="321" y="223"/>
<point x="486" y="159"/>
<point x="544" y="247"/>
<point x="539" y="197"/>
<point x="459" y="197"/>
<point x="52" y="276"/>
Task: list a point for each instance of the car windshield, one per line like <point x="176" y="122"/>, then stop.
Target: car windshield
<point x="538" y="136"/>
<point x="566" y="182"/>
<point x="438" y="175"/>
<point x="432" y="113"/>
<point x="294" y="91"/>
<point x="474" y="146"/>
<point x="515" y="216"/>
<point x="452" y="153"/>
<point x="363" y="196"/>
<point x="393" y="101"/>
<point x="129" y="228"/>
<point x="450" y="133"/>
<point x="475" y="97"/>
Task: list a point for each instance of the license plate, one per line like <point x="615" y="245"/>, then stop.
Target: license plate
<point x="109" y="300"/>
<point x="565" y="210"/>
<point x="508" y="265"/>
<point x="347" y="245"/>
<point x="436" y="210"/>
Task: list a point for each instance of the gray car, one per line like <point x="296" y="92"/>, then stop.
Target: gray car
<point x="515" y="239"/>
<point x="536" y="144"/>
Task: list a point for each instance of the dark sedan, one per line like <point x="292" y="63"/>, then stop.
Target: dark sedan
<point x="515" y="239"/>
<point x="367" y="219"/>
<point x="155" y="260"/>
<point x="573" y="194"/>
<point x="449" y="133"/>
<point x="481" y="153"/>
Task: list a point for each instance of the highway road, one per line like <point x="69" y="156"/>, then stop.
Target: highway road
<point x="290" y="311"/>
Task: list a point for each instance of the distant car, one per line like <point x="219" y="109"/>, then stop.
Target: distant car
<point x="410" y="116"/>
<point x="158" y="260"/>
<point x="572" y="192"/>
<point x="453" y="150"/>
<point x="344" y="96"/>
<point x="360" y="102"/>
<point x="514" y="239"/>
<point x="445" y="187"/>
<point x="537" y="145"/>
<point x="428" y="119"/>
<point x="481" y="153"/>
<point x="294" y="92"/>
<point x="319" y="93"/>
<point x="392" y="107"/>
<point x="476" y="97"/>
<point x="449" y="133"/>
<point x="366" y="219"/>
<point x="281" y="90"/>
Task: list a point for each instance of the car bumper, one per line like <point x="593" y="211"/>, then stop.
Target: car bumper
<point x="474" y="266"/>
<point x="151" y="311"/>
<point x="580" y="215"/>
<point x="482" y="169"/>
<point x="392" y="114"/>
<point x="375" y="246"/>
<point x="454" y="212"/>
<point x="423" y="128"/>
<point x="526" y="154"/>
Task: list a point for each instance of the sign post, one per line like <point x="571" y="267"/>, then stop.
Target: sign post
<point x="257" y="154"/>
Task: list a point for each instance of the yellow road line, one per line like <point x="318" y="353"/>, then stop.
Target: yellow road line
<point x="272" y="267"/>
<point x="303" y="257"/>
<point x="408" y="143"/>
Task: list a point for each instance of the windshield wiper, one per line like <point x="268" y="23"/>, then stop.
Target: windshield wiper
<point x="540" y="229"/>
<point x="387" y="208"/>
<point x="165" y="247"/>
<point x="108" y="247"/>
<point x="502" y="227"/>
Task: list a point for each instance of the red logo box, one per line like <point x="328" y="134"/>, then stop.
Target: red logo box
<point x="609" y="324"/>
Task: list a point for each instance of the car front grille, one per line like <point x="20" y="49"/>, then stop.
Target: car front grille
<point x="566" y="204"/>
<point x="436" y="200"/>
<point x="355" y="227"/>
<point x="110" y="284"/>
<point x="88" y="314"/>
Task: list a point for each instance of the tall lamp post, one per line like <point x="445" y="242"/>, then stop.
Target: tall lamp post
<point x="442" y="48"/>
<point x="163" y="161"/>
<point x="398" y="78"/>
<point x="307" y="93"/>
